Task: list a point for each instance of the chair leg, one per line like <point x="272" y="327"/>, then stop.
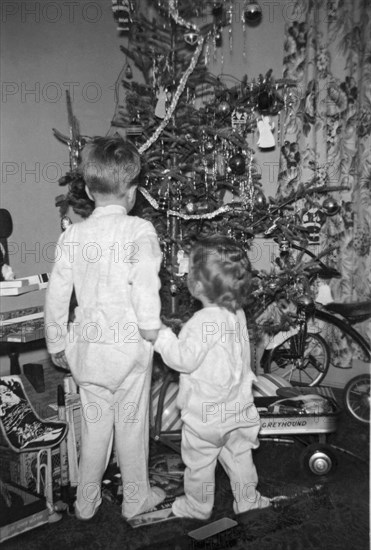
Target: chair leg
<point x="44" y="482"/>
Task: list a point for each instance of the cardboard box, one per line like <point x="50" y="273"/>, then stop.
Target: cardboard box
<point x="21" y="510"/>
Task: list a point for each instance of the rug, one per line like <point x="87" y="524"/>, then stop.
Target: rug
<point x="321" y="513"/>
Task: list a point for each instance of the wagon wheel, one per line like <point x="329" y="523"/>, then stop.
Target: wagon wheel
<point x="318" y="459"/>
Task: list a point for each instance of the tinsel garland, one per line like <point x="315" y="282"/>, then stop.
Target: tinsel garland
<point x="206" y="216"/>
<point x="179" y="20"/>
<point x="183" y="81"/>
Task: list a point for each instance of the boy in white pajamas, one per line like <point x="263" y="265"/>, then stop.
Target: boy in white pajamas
<point x="112" y="260"/>
<point x="212" y="353"/>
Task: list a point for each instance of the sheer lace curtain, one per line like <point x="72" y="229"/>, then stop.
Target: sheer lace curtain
<point x="326" y="136"/>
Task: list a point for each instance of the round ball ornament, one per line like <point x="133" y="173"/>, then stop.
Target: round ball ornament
<point x="237" y="164"/>
<point x="223" y="108"/>
<point x="330" y="206"/>
<point x="252" y="12"/>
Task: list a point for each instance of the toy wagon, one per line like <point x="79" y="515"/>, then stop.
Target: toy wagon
<point x="281" y="414"/>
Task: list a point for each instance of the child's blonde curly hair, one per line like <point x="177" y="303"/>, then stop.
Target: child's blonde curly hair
<point x="224" y="269"/>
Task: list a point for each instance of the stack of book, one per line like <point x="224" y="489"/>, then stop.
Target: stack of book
<point x="24" y="284"/>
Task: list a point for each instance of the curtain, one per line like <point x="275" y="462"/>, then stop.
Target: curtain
<point x="326" y="139"/>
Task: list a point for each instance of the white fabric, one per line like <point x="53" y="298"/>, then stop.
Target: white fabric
<point x="124" y="413"/>
<point x="220" y="421"/>
<point x="112" y="260"/>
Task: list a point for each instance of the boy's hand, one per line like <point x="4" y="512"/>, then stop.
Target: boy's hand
<point x="60" y="360"/>
<point x="149" y="335"/>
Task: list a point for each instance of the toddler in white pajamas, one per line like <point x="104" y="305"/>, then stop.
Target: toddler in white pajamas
<point x="112" y="261"/>
<point x="212" y="353"/>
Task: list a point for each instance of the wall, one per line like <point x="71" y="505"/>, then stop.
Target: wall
<point x="49" y="47"/>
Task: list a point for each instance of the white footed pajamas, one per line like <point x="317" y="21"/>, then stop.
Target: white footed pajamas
<point x="124" y="412"/>
<point x="220" y="421"/>
<point x="112" y="261"/>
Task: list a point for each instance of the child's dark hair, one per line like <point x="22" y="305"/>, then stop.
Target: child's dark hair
<point x="109" y="165"/>
<point x="224" y="269"/>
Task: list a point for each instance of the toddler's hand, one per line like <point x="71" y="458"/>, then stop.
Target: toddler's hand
<point x="149" y="335"/>
<point x="60" y="360"/>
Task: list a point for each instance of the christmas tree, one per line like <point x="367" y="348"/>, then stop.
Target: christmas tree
<point x="199" y="175"/>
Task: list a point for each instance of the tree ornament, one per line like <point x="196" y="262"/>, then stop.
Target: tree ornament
<point x="313" y="219"/>
<point x="191" y="38"/>
<point x="272" y="283"/>
<point x="223" y="107"/>
<point x="190" y="207"/>
<point x="237" y="164"/>
<point x="209" y="146"/>
<point x="239" y="119"/>
<point x="218" y="37"/>
<point x="284" y="247"/>
<point x="183" y="263"/>
<point x="260" y="200"/>
<point x="266" y="138"/>
<point x="305" y="304"/>
<point x="252" y="12"/>
<point x="128" y="72"/>
<point x="265" y="101"/>
<point x="122" y="13"/>
<point x="173" y="288"/>
<point x="160" y="109"/>
<point x="330" y="206"/>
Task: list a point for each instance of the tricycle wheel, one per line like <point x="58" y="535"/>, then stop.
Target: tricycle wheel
<point x="318" y="459"/>
<point x="356" y="398"/>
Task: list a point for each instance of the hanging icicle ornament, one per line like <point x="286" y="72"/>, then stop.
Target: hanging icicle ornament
<point x="218" y="36"/>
